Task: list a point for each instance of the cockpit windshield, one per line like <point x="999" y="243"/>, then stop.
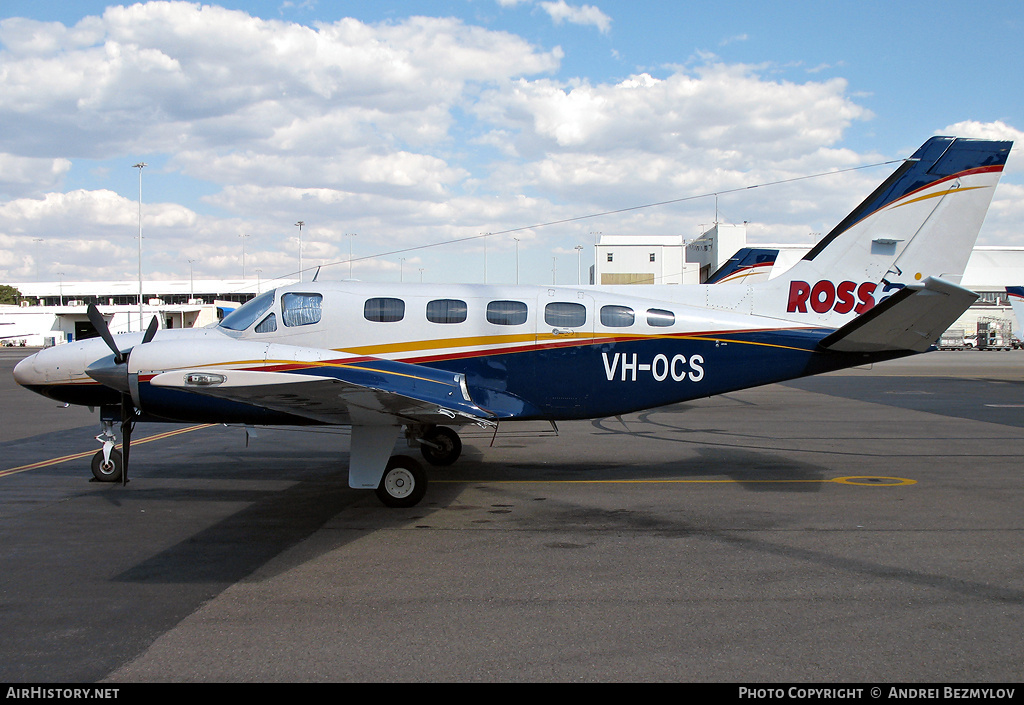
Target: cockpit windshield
<point x="246" y="314"/>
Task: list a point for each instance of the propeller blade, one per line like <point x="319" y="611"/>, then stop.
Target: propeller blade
<point x="96" y="318"/>
<point x="150" y="331"/>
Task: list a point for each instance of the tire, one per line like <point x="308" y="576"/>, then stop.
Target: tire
<point x="404" y="483"/>
<point x="450" y="447"/>
<point x="108" y="472"/>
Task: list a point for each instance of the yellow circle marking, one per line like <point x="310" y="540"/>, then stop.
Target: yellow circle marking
<point x="873" y="481"/>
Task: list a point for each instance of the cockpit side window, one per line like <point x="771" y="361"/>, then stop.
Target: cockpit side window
<point x="301" y="309"/>
<point x="249" y="312"/>
<point x="267" y="325"/>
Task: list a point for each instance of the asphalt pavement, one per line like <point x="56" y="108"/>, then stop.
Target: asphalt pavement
<point x="863" y="526"/>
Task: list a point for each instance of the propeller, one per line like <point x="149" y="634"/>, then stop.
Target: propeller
<point x="118" y="378"/>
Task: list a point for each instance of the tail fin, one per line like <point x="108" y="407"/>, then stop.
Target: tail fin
<point x="921" y="222"/>
<point x="748" y="265"/>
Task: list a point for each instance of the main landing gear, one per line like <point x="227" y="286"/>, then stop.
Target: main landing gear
<point x="404" y="482"/>
<point x="440" y="446"/>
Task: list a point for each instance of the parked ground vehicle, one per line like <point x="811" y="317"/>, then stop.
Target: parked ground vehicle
<point x="995" y="334"/>
<point x="952" y="339"/>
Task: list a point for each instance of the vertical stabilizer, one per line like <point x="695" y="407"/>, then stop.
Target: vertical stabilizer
<point x="748" y="265"/>
<point x="921" y="222"/>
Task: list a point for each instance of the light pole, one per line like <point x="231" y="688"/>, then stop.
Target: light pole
<point x="300" y="224"/>
<point x="401" y="269"/>
<point x="243" y="236"/>
<point x="61" y="275"/>
<point x="37" y="240"/>
<point x="579" y="264"/>
<point x="140" y="166"/>
<point x="191" y="287"/>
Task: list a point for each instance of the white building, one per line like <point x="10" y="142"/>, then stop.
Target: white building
<point x="664" y="259"/>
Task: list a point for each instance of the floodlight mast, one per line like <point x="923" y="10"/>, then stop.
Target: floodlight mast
<point x="140" y="166"/>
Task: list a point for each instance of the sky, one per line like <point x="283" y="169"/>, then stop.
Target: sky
<point x="433" y="140"/>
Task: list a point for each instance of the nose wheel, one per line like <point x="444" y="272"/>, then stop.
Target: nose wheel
<point x="108" y="469"/>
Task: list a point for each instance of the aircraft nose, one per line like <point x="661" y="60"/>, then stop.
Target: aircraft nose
<point x="25" y="372"/>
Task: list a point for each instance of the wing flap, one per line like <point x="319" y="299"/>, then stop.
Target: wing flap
<point x="374" y="392"/>
<point x="911" y="319"/>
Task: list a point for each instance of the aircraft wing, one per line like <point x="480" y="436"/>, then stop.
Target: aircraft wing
<point x="373" y="392"/>
<point x="911" y="319"/>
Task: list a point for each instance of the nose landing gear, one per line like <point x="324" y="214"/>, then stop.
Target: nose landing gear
<point x="108" y="463"/>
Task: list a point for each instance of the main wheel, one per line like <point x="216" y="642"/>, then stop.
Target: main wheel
<point x="449" y="446"/>
<point x="108" y="471"/>
<point x="404" y="483"/>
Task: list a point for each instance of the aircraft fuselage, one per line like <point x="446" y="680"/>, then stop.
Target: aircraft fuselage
<point x="525" y="352"/>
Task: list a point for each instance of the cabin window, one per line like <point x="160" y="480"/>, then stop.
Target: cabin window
<point x="249" y="312"/>
<point x="611" y="256"/>
<point x="384" y="310"/>
<point x="652" y="256"/>
<point x="446" y="311"/>
<point x="506" y="313"/>
<point x="617" y="316"/>
<point x="565" y="315"/>
<point x="268" y="324"/>
<point x="300" y="309"/>
<point x="660" y="317"/>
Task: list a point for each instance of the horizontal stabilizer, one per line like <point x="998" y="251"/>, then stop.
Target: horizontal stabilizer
<point x="911" y="319"/>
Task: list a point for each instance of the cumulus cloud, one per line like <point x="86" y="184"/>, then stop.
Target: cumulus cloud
<point x="21" y="176"/>
<point x="406" y="132"/>
<point x="561" y="11"/>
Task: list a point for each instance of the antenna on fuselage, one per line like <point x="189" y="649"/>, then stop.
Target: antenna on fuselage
<point x="317" y="274"/>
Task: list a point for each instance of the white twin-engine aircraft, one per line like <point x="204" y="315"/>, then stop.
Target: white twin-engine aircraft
<point x="382" y="357"/>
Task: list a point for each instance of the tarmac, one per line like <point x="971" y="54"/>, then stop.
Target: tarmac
<point x="858" y="527"/>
